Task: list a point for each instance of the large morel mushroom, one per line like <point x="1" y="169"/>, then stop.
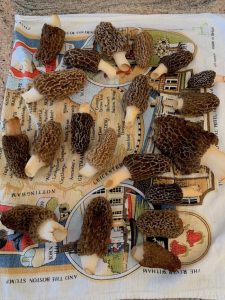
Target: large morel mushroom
<point x="204" y="79"/>
<point x="143" y="49"/>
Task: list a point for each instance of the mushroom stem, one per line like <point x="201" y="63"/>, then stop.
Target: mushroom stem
<point x="52" y="231"/>
<point x="89" y="263"/>
<point x="160" y="70"/>
<point x="219" y="78"/>
<point x="117" y="177"/>
<point x="88" y="170"/>
<point x="138" y="253"/>
<point x="84" y="108"/>
<point x="131" y="115"/>
<point x="33" y="165"/>
<point x="121" y="61"/>
<point x="191" y="191"/>
<point x="214" y="159"/>
<point x="175" y="103"/>
<point x="105" y="67"/>
<point x="32" y="95"/>
<point x="12" y="126"/>
<point x="55" y="21"/>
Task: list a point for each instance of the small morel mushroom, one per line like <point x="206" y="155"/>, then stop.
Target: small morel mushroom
<point x="16" y="147"/>
<point x="89" y="60"/>
<point x="113" y="44"/>
<point x="189" y="146"/>
<point x="135" y="99"/>
<point x="143" y="49"/>
<point x="51" y="43"/>
<point x="99" y="156"/>
<point x="138" y="167"/>
<point x="194" y="103"/>
<point x="172" y="63"/>
<point x="39" y="222"/>
<point x="81" y="124"/>
<point x="204" y="79"/>
<point x="152" y="255"/>
<point x="56" y="85"/>
<point x="45" y="147"/>
<point x="95" y="233"/>
<point x="160" y="223"/>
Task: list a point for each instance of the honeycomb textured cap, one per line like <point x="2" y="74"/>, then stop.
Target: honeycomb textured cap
<point x="143" y="49"/>
<point x="176" y="61"/>
<point x="160" y="223"/>
<point x="51" y="43"/>
<point x="204" y="79"/>
<point x="96" y="228"/>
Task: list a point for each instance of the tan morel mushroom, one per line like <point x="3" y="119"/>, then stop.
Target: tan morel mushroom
<point x="138" y="167"/>
<point x="193" y="103"/>
<point x="135" y="99"/>
<point x="113" y="44"/>
<point x="40" y="223"/>
<point x="160" y="223"/>
<point x="16" y="147"/>
<point x="152" y="255"/>
<point x="143" y="49"/>
<point x="95" y="233"/>
<point x="172" y="63"/>
<point x="204" y="79"/>
<point x="56" y="85"/>
<point x="189" y="146"/>
<point x="89" y="60"/>
<point x="99" y="156"/>
<point x="51" y="43"/>
<point x="45" y="147"/>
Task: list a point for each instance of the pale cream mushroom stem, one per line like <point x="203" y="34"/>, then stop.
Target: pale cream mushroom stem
<point x="32" y="95"/>
<point x="33" y="165"/>
<point x="52" y="231"/>
<point x="109" y="70"/>
<point x="88" y="170"/>
<point x="131" y="115"/>
<point x="159" y="71"/>
<point x="121" y="61"/>
<point x="89" y="263"/>
<point x="55" y="21"/>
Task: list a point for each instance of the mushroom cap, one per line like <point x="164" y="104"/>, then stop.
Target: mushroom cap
<point x="96" y="228"/>
<point x="184" y="142"/>
<point x="176" y="61"/>
<point x="82" y="59"/>
<point x="137" y="93"/>
<point x="100" y="154"/>
<point x="27" y="219"/>
<point x="164" y="194"/>
<point x="197" y="104"/>
<point x="48" y="141"/>
<point x="81" y="124"/>
<point x="204" y="79"/>
<point x="110" y="39"/>
<point x="143" y="49"/>
<point x="143" y="185"/>
<point x="160" y="223"/>
<point x="16" y="149"/>
<point x="51" y="43"/>
<point x="60" y="84"/>
<point x="144" y="166"/>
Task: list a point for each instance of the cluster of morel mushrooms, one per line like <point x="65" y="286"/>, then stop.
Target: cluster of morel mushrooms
<point x="182" y="143"/>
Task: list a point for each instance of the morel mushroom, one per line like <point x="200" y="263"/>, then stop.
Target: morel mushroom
<point x="143" y="49"/>
<point x="204" y="79"/>
<point x="189" y="146"/>
<point x="89" y="60"/>
<point x="16" y="147"/>
<point x="138" y="167"/>
<point x="193" y="103"/>
<point x="51" y="43"/>
<point x="135" y="99"/>
<point x="152" y="255"/>
<point x="160" y="223"/>
<point x="172" y="63"/>
<point x="99" y="156"/>
<point x="55" y="85"/>
<point x="81" y="124"/>
<point x="45" y="147"/>
<point x="113" y="44"/>
<point x="39" y="222"/>
<point x="95" y="233"/>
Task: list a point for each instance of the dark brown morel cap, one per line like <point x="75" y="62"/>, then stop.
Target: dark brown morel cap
<point x="203" y="79"/>
<point x="143" y="49"/>
<point x="82" y="59"/>
<point x="60" y="84"/>
<point x="51" y="43"/>
<point x="96" y="228"/>
<point x="144" y="166"/>
<point x="176" y="61"/>
<point x="81" y="124"/>
<point x="48" y="141"/>
<point x="160" y="223"/>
